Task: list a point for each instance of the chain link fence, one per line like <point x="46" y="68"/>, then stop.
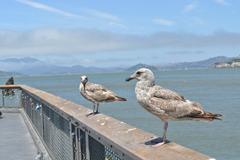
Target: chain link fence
<point x="10" y="98"/>
<point x="63" y="139"/>
<point x="53" y="129"/>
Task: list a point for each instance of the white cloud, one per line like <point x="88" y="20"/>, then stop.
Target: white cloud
<point x="164" y="22"/>
<point x="108" y="18"/>
<point x="102" y="15"/>
<point x="82" y="41"/>
<point x="119" y="25"/>
<point x="48" y="8"/>
<point x="222" y="2"/>
<point x="189" y="7"/>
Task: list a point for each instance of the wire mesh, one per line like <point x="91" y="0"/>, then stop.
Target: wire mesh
<point x="110" y="154"/>
<point x="56" y="135"/>
<point x="64" y="142"/>
<point x="37" y="117"/>
<point x="53" y="128"/>
<point x="10" y="98"/>
<point x="96" y="149"/>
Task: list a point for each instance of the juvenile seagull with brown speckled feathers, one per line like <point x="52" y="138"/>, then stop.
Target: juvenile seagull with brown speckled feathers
<point x="164" y="103"/>
<point x="97" y="93"/>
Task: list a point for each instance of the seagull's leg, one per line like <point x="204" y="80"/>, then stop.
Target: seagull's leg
<point x="97" y="108"/>
<point x="164" y="138"/>
<point x="94" y="107"/>
<point x="93" y="112"/>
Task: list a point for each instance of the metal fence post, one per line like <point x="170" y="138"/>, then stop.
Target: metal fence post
<point x="82" y="139"/>
<point x="42" y="117"/>
<point x="87" y="146"/>
<point x="78" y="143"/>
<point x="73" y="140"/>
<point x="3" y="100"/>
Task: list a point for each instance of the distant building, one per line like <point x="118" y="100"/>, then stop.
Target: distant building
<point x="222" y="65"/>
<point x="234" y="63"/>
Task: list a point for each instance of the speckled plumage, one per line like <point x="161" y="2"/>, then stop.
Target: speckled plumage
<point x="97" y="93"/>
<point x="164" y="103"/>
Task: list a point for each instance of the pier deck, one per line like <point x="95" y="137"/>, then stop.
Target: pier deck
<point x="16" y="142"/>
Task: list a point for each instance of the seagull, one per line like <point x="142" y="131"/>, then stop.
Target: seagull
<point x="9" y="92"/>
<point x="97" y="93"/>
<point x="166" y="104"/>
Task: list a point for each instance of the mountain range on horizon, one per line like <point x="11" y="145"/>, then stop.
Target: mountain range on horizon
<point x="207" y="63"/>
<point x="33" y="66"/>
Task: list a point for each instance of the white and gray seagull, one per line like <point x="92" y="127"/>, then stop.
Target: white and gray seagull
<point x="97" y="93"/>
<point x="164" y="103"/>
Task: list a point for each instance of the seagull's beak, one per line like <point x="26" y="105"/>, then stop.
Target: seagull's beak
<point x="84" y="86"/>
<point x="130" y="78"/>
<point x="85" y="81"/>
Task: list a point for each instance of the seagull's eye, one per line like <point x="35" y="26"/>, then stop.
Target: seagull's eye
<point x="138" y="73"/>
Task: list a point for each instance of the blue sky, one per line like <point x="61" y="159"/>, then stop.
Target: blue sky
<point x="119" y="33"/>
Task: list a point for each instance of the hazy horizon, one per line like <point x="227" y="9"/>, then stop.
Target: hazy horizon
<point x="8" y="59"/>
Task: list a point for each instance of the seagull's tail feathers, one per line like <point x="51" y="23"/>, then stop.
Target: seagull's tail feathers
<point x="117" y="98"/>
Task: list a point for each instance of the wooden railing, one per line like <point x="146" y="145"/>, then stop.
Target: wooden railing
<point x="68" y="133"/>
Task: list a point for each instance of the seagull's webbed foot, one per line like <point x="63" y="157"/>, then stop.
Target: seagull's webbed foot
<point x="156" y="142"/>
<point x="159" y="144"/>
<point x="89" y="114"/>
<point x="92" y="113"/>
<point x="96" y="112"/>
<point x="162" y="141"/>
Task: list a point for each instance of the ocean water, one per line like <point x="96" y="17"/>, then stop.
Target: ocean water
<point x="218" y="90"/>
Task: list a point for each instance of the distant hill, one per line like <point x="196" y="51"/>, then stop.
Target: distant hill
<point x="208" y="63"/>
<point x="32" y="66"/>
<point x="140" y="65"/>
<point x="8" y="74"/>
<point x="20" y="60"/>
<point x="198" y="64"/>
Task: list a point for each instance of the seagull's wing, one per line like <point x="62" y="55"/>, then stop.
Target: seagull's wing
<point x="92" y="87"/>
<point x="175" y="108"/>
<point x="168" y="103"/>
<point x="100" y="93"/>
<point x="160" y="92"/>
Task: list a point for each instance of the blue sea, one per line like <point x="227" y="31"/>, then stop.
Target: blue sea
<point x="218" y="90"/>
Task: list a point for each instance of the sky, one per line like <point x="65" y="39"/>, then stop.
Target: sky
<point x="119" y="33"/>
